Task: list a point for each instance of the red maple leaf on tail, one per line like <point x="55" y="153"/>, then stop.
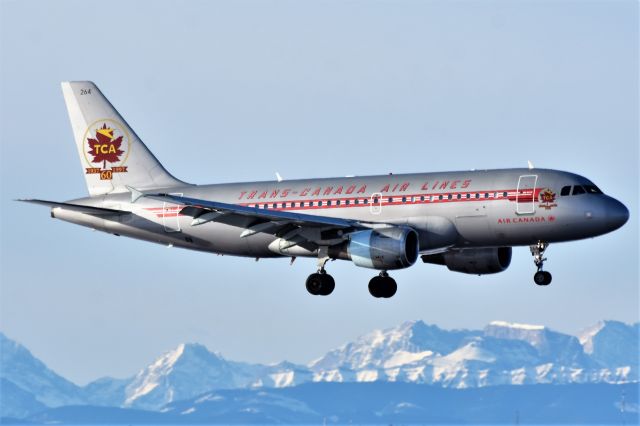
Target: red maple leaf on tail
<point x="105" y="148"/>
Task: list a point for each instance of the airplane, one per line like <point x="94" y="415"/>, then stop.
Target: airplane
<point x="467" y="221"/>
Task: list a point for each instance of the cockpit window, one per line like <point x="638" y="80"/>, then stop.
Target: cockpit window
<point x="566" y="190"/>
<point x="577" y="189"/>
<point x="592" y="189"/>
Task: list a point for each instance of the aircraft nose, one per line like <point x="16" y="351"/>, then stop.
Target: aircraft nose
<point x="617" y="213"/>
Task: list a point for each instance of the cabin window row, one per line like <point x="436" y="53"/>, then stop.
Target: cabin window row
<point x="377" y="200"/>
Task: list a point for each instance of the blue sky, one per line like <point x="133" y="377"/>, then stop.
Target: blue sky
<point x="234" y="91"/>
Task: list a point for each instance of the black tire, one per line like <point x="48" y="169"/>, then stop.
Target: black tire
<point x="547" y="278"/>
<point x="389" y="287"/>
<point x="540" y="278"/>
<point x="375" y="286"/>
<point x="328" y="284"/>
<point x="314" y="284"/>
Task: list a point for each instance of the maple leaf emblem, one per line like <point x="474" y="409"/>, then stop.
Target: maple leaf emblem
<point x="547" y="196"/>
<point x="104" y="147"/>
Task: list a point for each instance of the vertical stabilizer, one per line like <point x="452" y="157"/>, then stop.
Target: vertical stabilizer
<point x="111" y="154"/>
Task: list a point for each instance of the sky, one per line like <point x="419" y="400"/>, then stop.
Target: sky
<point x="235" y="91"/>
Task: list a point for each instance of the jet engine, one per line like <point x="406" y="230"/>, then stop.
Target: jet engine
<point x="385" y="248"/>
<point x="473" y="261"/>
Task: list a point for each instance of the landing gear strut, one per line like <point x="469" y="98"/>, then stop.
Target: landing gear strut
<point x="383" y="286"/>
<point x="321" y="283"/>
<point x="541" y="277"/>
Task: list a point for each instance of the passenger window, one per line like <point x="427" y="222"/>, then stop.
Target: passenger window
<point x="449" y="196"/>
<point x="366" y="201"/>
<point x="310" y="203"/>
<point x="577" y="190"/>
<point x="319" y="203"/>
<point x="356" y="201"/>
<point x="440" y="197"/>
<point x="477" y="195"/>
<point x="275" y="206"/>
<point x="566" y="190"/>
<point x="459" y="196"/>
<point x="390" y="200"/>
<point x="422" y="198"/>
<point x="375" y="200"/>
<point x="284" y="205"/>
<point x="468" y="196"/>
<point x="504" y="194"/>
<point x="301" y="203"/>
<point x="346" y="202"/>
<point x="329" y="202"/>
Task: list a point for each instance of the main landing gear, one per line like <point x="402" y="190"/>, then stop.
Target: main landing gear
<point x="541" y="277"/>
<point x="383" y="286"/>
<point x="321" y="283"/>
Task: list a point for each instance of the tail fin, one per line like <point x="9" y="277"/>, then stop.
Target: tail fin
<point x="111" y="154"/>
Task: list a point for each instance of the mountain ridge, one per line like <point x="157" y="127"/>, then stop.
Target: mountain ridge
<point x="501" y="353"/>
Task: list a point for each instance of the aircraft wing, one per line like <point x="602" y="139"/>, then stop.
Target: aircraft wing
<point x="299" y="228"/>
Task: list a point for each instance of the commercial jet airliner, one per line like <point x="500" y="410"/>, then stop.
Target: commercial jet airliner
<point x="467" y="220"/>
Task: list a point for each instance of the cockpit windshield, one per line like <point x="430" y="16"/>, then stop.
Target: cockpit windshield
<point x="592" y="189"/>
<point x="580" y="189"/>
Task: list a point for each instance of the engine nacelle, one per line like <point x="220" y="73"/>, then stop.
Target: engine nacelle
<point x="386" y="248"/>
<point x="473" y="261"/>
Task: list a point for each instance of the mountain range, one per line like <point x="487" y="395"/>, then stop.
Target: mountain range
<point x="502" y="354"/>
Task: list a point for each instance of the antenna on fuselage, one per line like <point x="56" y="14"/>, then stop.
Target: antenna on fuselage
<point x="279" y="177"/>
<point x="530" y="164"/>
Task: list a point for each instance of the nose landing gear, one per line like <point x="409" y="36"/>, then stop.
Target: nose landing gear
<point x="383" y="286"/>
<point x="541" y="277"/>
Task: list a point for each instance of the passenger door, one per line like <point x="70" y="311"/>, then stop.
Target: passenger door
<point x="525" y="194"/>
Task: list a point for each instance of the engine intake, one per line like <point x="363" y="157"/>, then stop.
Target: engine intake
<point x="473" y="261"/>
<point x="386" y="248"/>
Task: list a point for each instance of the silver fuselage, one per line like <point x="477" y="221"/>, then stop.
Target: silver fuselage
<point x="482" y="208"/>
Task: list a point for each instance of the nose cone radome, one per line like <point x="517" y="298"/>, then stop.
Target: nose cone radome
<point x="617" y="214"/>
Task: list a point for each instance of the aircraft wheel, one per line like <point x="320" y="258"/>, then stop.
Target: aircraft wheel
<point x="328" y="285"/>
<point x="314" y="284"/>
<point x="320" y="284"/>
<point x="375" y="286"/>
<point x="382" y="286"/>
<point x="390" y="287"/>
<point x="542" y="278"/>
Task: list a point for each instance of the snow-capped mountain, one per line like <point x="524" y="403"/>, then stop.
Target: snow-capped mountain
<point x="413" y="352"/>
<point x="182" y="373"/>
<point x="409" y="342"/>
<point x="29" y="374"/>
<point x="191" y="369"/>
<point x="504" y="353"/>
<point x="612" y="343"/>
<point x="551" y="346"/>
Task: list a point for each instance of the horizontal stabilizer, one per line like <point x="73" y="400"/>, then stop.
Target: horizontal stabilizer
<point x="98" y="211"/>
